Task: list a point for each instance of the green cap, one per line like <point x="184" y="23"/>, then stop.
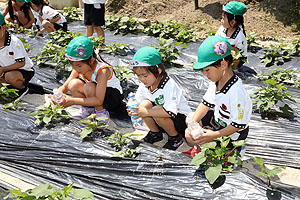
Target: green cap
<point x="1" y="19"/>
<point x="235" y="8"/>
<point x="146" y="56"/>
<point x="211" y="50"/>
<point x="80" y="48"/>
<point x="27" y="1"/>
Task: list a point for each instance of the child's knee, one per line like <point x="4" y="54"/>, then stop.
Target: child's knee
<point x="146" y="104"/>
<point x="75" y="85"/>
<point x="89" y="89"/>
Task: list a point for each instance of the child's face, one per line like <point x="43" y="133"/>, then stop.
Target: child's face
<point x="213" y="73"/>
<point x="81" y="67"/>
<point x="146" y="77"/>
<point x="224" y="21"/>
<point x="20" y="4"/>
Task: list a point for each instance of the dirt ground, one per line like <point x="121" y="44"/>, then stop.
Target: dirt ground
<point x="269" y="19"/>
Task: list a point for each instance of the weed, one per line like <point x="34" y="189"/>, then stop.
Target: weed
<point x="71" y="14"/>
<point x="267" y="97"/>
<point x="171" y="30"/>
<point x="92" y="124"/>
<point x="274" y="54"/>
<point x="124" y="25"/>
<point x="46" y="191"/>
<point x="215" y="158"/>
<point x="168" y="49"/>
<point x="269" y="174"/>
<point x="50" y="114"/>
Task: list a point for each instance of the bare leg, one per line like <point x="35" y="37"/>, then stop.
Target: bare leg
<point x="149" y="121"/>
<point x="89" y="30"/>
<point x="167" y="124"/>
<point x="90" y="91"/>
<point x="100" y="32"/>
<point x="14" y="78"/>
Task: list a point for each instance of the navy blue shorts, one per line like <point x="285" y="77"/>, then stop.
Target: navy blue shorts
<point x="94" y="16"/>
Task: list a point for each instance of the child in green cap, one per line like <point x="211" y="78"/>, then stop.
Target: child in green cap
<point x="232" y="19"/>
<point x="92" y="83"/>
<point x="19" y="13"/>
<point x="226" y="95"/>
<point x="162" y="105"/>
<point x="16" y="68"/>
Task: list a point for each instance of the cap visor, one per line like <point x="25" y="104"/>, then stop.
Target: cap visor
<point x="137" y="63"/>
<point x="224" y="9"/>
<point x="201" y="65"/>
<point x="74" y="59"/>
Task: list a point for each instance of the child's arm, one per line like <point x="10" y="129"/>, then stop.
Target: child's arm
<point x="64" y="87"/>
<point x="156" y="111"/>
<point x="22" y="19"/>
<point x="96" y="100"/>
<point x="5" y="11"/>
<point x="16" y="65"/>
<point x="200" y="112"/>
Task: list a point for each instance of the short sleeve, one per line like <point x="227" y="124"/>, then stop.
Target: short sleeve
<point x="140" y="93"/>
<point x="241" y="44"/>
<point x="220" y="32"/>
<point x="172" y="100"/>
<point x="209" y="98"/>
<point x="241" y="109"/>
<point x="51" y="13"/>
<point x="19" y="51"/>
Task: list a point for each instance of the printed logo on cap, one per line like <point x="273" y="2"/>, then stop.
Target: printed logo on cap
<point x="81" y="52"/>
<point x="220" y="48"/>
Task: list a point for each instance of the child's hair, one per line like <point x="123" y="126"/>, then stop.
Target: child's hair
<point x="228" y="58"/>
<point x="154" y="70"/>
<point x="25" y="8"/>
<point x="238" y="18"/>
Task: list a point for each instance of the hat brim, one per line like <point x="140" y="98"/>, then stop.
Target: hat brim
<point x="74" y="59"/>
<point x="201" y="65"/>
<point x="224" y="9"/>
<point x="137" y="63"/>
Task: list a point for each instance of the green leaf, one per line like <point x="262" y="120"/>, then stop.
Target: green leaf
<point x="199" y="158"/>
<point x="276" y="170"/>
<point x="231" y="159"/>
<point x="210" y="145"/>
<point x="239" y="143"/>
<point x="212" y="173"/>
<point x="47" y="119"/>
<point x="42" y="190"/>
<point x="85" y="132"/>
<point x="81" y="193"/>
<point x="258" y="160"/>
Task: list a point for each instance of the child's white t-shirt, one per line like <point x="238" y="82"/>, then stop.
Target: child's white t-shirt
<point x="232" y="104"/>
<point x="94" y="1"/>
<point x="49" y="13"/>
<point x="13" y="51"/>
<point x="237" y="39"/>
<point x="167" y="94"/>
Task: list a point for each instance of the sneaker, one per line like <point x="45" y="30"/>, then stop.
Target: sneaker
<point x="174" y="142"/>
<point x="103" y="113"/>
<point x="152" y="137"/>
<point x="23" y="91"/>
<point x="84" y="112"/>
<point x="193" y="151"/>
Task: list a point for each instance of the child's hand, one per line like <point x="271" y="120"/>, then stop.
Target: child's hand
<point x="139" y="111"/>
<point x="66" y="102"/>
<point x="207" y="136"/>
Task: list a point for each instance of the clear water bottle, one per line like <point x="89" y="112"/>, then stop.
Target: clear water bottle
<point x="132" y="102"/>
<point x="195" y="129"/>
<point x="58" y="96"/>
<point x="16" y="25"/>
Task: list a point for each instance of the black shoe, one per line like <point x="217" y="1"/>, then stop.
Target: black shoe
<point x="174" y="142"/>
<point x="152" y="137"/>
<point x="23" y="91"/>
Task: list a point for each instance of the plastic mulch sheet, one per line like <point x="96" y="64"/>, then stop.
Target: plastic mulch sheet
<point x="59" y="157"/>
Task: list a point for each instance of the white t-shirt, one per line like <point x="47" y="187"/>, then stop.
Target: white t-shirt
<point x="13" y="51"/>
<point x="232" y="104"/>
<point x="49" y="13"/>
<point x="237" y="39"/>
<point x="167" y="94"/>
<point x="94" y="1"/>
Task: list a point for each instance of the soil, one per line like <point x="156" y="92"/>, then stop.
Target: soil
<point x="269" y="19"/>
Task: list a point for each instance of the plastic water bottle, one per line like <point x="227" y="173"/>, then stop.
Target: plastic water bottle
<point x="16" y="24"/>
<point x="58" y="96"/>
<point x="137" y="123"/>
<point x="195" y="129"/>
<point x="34" y="27"/>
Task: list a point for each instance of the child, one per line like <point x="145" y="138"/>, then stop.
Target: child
<point x="232" y="19"/>
<point x="16" y="68"/>
<point x="161" y="102"/>
<point x="50" y="19"/>
<point x="19" y="13"/>
<point x="94" y="12"/>
<point x="225" y="94"/>
<point x="92" y="83"/>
